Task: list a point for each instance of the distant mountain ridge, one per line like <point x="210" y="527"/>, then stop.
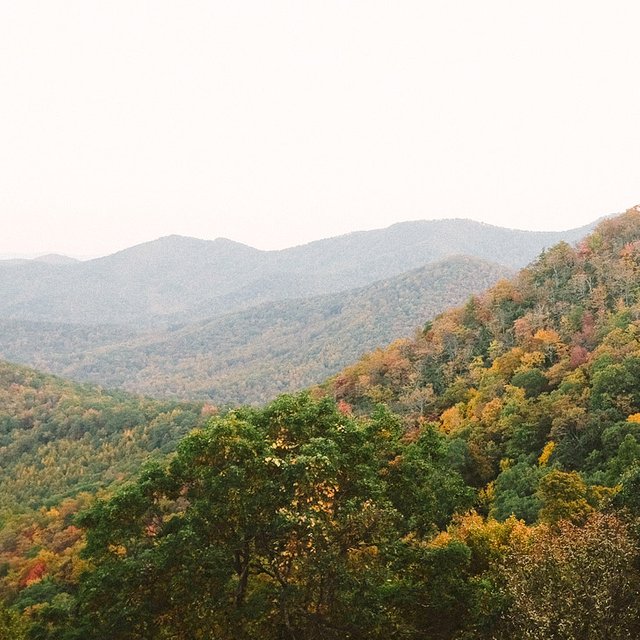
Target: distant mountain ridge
<point x="49" y="258"/>
<point x="176" y="279"/>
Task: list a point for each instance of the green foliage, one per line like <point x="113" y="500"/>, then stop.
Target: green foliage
<point x="296" y="520"/>
<point x="12" y="625"/>
<point x="628" y="496"/>
<point x="516" y="492"/>
<point x="615" y="387"/>
<point x="58" y="439"/>
<point x="533" y="381"/>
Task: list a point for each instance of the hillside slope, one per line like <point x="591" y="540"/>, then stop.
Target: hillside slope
<point x="252" y="355"/>
<point x="58" y="438"/>
<point x="542" y="370"/>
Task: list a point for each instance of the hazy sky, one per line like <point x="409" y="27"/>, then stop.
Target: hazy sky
<point x="275" y="123"/>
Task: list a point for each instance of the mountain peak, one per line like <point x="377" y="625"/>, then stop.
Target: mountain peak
<point x="56" y="258"/>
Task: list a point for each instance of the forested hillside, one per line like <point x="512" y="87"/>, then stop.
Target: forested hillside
<point x="249" y="356"/>
<point x="58" y="439"/>
<point x="60" y="445"/>
<point x="545" y="367"/>
<point x="478" y="481"/>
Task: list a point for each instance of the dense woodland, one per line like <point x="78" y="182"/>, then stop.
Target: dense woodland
<point x="59" y="438"/>
<point x="480" y="480"/>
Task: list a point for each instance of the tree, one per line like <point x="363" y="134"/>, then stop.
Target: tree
<point x="563" y="497"/>
<point x="286" y="522"/>
<point x="573" y="583"/>
<point x="12" y="625"/>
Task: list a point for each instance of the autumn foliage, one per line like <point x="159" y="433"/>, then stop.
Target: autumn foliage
<point x="479" y="481"/>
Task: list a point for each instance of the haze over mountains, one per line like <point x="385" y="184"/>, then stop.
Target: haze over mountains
<point x="180" y="279"/>
<point x="183" y="317"/>
<point x="250" y="355"/>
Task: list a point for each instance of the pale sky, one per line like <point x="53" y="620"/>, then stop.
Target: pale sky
<point x="275" y="123"/>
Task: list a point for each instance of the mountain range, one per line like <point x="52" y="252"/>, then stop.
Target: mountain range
<point x="250" y="355"/>
<point x="179" y="279"/>
<point x="186" y="318"/>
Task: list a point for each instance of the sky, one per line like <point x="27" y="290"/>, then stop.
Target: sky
<point x="275" y="123"/>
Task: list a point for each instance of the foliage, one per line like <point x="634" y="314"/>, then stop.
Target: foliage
<point x="12" y="625"/>
<point x="536" y="374"/>
<point x="479" y="481"/>
<point x="293" y="521"/>
<point x="58" y="438"/>
<point x="578" y="583"/>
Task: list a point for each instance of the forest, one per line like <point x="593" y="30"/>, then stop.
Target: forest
<point x="479" y="480"/>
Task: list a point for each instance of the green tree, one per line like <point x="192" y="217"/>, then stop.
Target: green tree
<point x="286" y="522"/>
<point x="12" y="625"/>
